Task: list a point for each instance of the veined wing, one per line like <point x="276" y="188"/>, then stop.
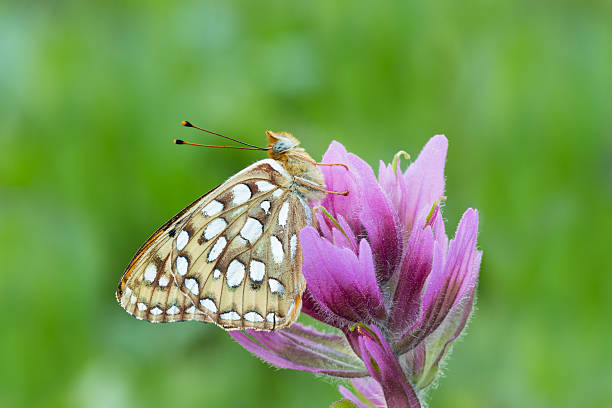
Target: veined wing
<point x="239" y="260"/>
<point x="232" y="257"/>
<point x="147" y="289"/>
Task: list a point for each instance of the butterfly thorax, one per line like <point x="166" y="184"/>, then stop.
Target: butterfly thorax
<point x="285" y="149"/>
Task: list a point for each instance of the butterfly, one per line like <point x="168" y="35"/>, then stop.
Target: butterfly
<point x="233" y="256"/>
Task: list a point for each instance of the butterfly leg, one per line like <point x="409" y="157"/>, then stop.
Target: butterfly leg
<point x="333" y="164"/>
<point x="318" y="187"/>
<point x="320" y="164"/>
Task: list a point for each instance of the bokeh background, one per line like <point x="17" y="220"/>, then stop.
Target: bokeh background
<point x="92" y="94"/>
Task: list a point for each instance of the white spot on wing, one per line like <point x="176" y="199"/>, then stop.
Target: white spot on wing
<point x="132" y="299"/>
<point x="252" y="230"/>
<point x="214" y="228"/>
<point x="265" y="205"/>
<point x="182" y="240"/>
<point x="277" y="249"/>
<point x="235" y="273"/>
<point x="156" y="311"/>
<point x="141" y="306"/>
<point x="276" y="287"/>
<point x="253" y="317"/>
<point x="212" y="208"/>
<point x="271" y="317"/>
<point x="193" y="286"/>
<point x="264" y="186"/>
<point x="293" y="245"/>
<point x="150" y="273"/>
<point x="192" y="310"/>
<point x="270" y="162"/>
<point x="216" y="274"/>
<point x="277" y="166"/>
<point x="283" y="214"/>
<point x="257" y="270"/>
<point x="307" y="210"/>
<point x="231" y="315"/>
<point x="217" y="249"/>
<point x="181" y="265"/>
<point x="277" y="193"/>
<point x="173" y="310"/>
<point x="209" y="305"/>
<point x="242" y="193"/>
<point x="163" y="281"/>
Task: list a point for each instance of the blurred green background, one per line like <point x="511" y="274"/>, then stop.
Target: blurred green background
<point x="92" y="94"/>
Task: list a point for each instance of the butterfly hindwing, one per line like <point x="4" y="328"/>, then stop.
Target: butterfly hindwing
<point x="147" y="289"/>
<point x="153" y="295"/>
<point x="232" y="257"/>
<point x="238" y="260"/>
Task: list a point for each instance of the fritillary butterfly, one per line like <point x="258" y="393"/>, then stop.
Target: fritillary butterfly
<point x="233" y="256"/>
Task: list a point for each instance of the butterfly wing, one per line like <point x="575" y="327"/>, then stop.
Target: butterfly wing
<point x="232" y="257"/>
<point x="147" y="289"/>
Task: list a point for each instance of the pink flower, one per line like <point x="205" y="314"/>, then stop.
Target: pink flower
<point x="380" y="268"/>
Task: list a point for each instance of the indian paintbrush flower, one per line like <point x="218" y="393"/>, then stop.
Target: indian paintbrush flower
<point x="380" y="269"/>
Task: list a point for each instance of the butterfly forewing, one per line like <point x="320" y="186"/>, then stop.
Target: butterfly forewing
<point x="232" y="257"/>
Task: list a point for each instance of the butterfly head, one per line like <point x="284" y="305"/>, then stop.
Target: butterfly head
<point x="280" y="143"/>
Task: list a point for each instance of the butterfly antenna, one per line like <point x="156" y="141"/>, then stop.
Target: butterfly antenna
<point x="189" y="124"/>
<point x="179" y="141"/>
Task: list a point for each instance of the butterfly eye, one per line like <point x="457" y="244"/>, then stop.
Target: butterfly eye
<point x="282" y="145"/>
